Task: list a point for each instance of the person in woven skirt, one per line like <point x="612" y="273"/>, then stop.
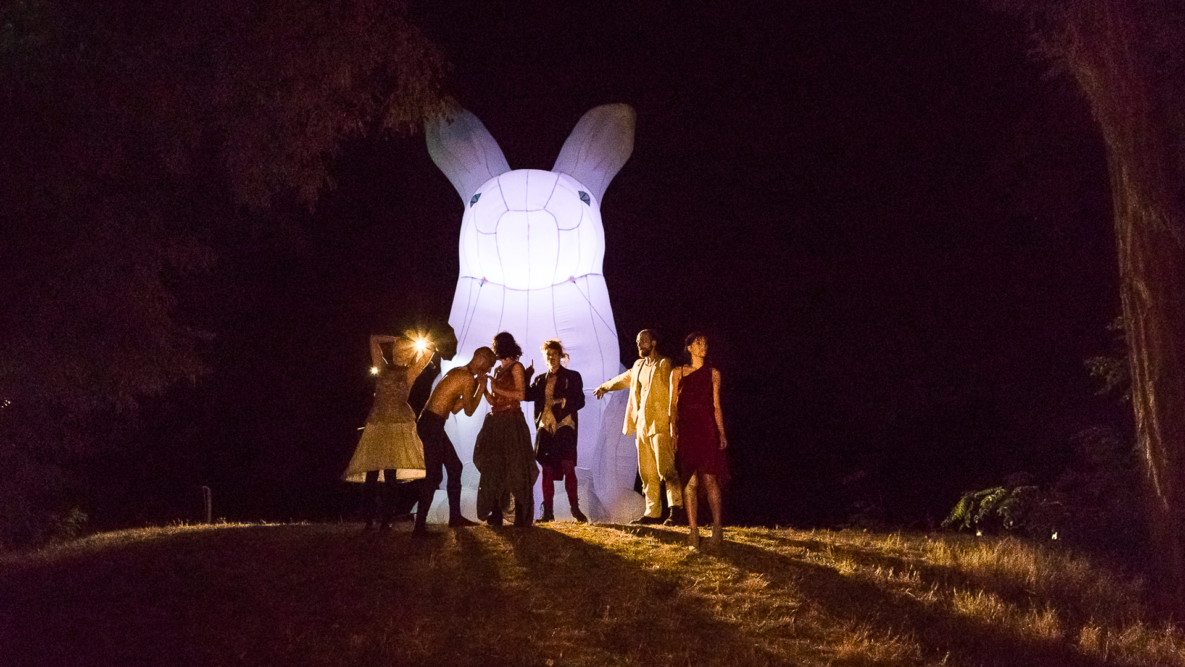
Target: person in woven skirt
<point x="389" y="449"/>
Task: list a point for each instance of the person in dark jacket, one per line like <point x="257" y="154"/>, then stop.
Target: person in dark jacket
<point x="558" y="394"/>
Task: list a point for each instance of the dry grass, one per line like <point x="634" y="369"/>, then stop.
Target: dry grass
<point x="566" y="594"/>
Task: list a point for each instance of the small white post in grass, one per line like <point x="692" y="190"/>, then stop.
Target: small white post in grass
<point x="208" y="503"/>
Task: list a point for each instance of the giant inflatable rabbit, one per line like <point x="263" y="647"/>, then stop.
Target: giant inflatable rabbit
<point x="530" y="263"/>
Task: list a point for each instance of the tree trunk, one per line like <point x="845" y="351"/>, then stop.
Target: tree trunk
<point x="1110" y="47"/>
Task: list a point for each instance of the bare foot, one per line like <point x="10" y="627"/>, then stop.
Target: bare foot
<point x="716" y="542"/>
<point x="693" y="539"/>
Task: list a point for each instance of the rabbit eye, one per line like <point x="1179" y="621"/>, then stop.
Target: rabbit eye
<point x="584" y="197"/>
<point x="478" y="196"/>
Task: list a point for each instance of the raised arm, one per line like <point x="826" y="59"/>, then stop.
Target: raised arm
<point x="419" y="364"/>
<point x="376" y="350"/>
<point x="716" y="404"/>
<point x="536" y="389"/>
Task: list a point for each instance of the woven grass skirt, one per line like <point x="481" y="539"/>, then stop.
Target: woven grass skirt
<point x="387" y="446"/>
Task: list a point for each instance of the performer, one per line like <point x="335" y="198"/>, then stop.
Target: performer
<point x="648" y="415"/>
<point x="389" y="448"/>
<point x="502" y="452"/>
<point x="698" y="432"/>
<point x="460" y="389"/>
<point x="558" y="394"/>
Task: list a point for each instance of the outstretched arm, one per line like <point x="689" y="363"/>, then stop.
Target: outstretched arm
<point x="613" y="384"/>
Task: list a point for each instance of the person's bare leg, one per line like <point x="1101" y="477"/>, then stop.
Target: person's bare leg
<point x="690" y="501"/>
<point x="715" y="504"/>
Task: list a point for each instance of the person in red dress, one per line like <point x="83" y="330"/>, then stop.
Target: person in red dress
<point x="697" y="429"/>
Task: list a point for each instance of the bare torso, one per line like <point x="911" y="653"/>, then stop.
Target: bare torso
<point x="452" y="388"/>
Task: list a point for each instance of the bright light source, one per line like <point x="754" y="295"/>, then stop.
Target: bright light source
<point x="374" y="370"/>
<point x="421" y="344"/>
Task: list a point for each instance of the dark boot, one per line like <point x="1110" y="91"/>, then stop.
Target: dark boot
<point x="678" y="516"/>
<point x="548" y="514"/>
<point x="495" y="518"/>
<point x="524" y="515"/>
<point x="370" y="499"/>
<point x="574" y="503"/>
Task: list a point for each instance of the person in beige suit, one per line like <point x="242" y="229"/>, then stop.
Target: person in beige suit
<point x="648" y="416"/>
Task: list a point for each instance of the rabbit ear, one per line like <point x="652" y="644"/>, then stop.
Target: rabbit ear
<point x="601" y="142"/>
<point x="464" y="150"/>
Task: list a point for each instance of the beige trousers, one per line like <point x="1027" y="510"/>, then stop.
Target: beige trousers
<point x="656" y="464"/>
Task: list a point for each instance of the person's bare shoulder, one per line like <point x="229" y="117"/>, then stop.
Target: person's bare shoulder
<point x="462" y="373"/>
<point x="455" y="377"/>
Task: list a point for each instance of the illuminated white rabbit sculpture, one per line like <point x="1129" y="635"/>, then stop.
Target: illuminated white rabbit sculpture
<point x="530" y="263"/>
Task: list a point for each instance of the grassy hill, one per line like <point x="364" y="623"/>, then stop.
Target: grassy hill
<point x="565" y="594"/>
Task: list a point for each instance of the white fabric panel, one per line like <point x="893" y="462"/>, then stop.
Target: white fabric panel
<point x="538" y="186"/>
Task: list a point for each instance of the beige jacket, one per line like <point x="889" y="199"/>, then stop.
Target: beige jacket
<point x="649" y="409"/>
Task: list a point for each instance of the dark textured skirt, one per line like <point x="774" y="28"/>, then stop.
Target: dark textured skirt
<point x="506" y="460"/>
<point x="552" y="449"/>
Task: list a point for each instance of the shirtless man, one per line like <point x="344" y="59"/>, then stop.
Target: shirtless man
<point x="460" y="389"/>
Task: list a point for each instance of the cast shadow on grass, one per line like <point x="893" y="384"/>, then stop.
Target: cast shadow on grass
<point x="939" y="632"/>
<point x="618" y="611"/>
<point x="1080" y="605"/>
<point x="295" y="595"/>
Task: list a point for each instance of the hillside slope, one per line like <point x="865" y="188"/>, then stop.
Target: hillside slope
<point x="564" y="594"/>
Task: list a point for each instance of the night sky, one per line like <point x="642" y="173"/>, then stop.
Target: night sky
<point x="892" y="222"/>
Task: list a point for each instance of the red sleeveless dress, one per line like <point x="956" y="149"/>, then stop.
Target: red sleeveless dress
<point x="699" y="439"/>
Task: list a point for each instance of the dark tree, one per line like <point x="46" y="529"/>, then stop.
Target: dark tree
<point x="136" y="135"/>
<point x="1126" y="57"/>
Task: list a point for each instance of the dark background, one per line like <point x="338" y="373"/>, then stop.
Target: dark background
<point x="891" y="221"/>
